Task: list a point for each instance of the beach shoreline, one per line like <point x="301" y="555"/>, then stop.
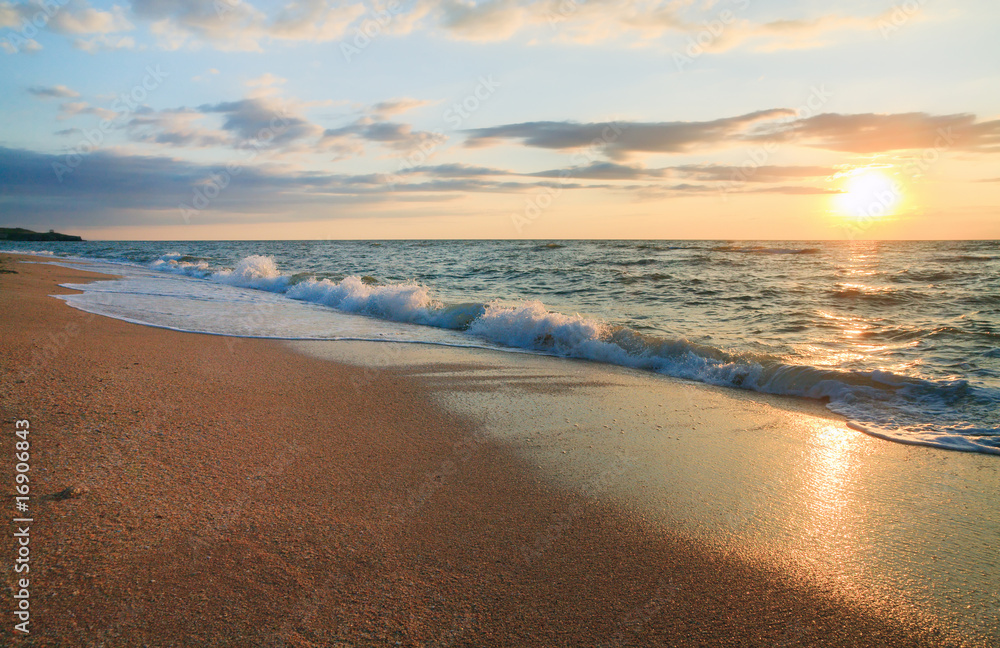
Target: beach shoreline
<point x="242" y="493"/>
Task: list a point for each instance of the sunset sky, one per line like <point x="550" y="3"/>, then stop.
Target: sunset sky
<point x="231" y="119"/>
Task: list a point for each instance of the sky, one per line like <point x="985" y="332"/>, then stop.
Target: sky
<point x="547" y="119"/>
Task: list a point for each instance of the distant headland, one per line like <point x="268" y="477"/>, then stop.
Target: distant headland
<point x="21" y="234"/>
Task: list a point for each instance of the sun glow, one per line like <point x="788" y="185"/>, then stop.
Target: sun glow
<point x="868" y="194"/>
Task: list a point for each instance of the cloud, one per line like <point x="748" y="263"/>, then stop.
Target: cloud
<point x="455" y="170"/>
<point x="392" y="107"/>
<point x="174" y="128"/>
<point x="796" y="190"/>
<point x="660" y="192"/>
<point x="393" y="135"/>
<point x="238" y="25"/>
<point x="106" y="188"/>
<point x="264" y="122"/>
<point x="53" y="92"/>
<point x="266" y="80"/>
<point x="14" y="43"/>
<point x="790" y="33"/>
<point x="874" y="133"/>
<point x="578" y="21"/>
<point x="79" y="18"/>
<point x="314" y="21"/>
<point x="605" y="171"/>
<point x="73" y="108"/>
<point x="104" y="43"/>
<point x="72" y="18"/>
<point x="698" y="172"/>
<point x="710" y="178"/>
<point x="491" y="20"/>
<point x="618" y="140"/>
<point x="228" y="24"/>
<point x="754" y="173"/>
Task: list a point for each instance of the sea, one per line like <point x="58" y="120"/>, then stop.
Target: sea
<point x="902" y="338"/>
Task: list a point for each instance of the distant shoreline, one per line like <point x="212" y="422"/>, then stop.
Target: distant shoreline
<point x="22" y="234"/>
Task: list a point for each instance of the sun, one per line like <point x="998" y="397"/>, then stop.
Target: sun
<point x="868" y="194"/>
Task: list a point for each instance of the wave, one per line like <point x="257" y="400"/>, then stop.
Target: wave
<point x="756" y="249"/>
<point x="28" y="252"/>
<point x="652" y="277"/>
<point x="637" y="262"/>
<point x="177" y="263"/>
<point x="407" y="302"/>
<point x="965" y="258"/>
<point x="888" y="405"/>
<point x="256" y="271"/>
<point x="259" y="272"/>
<point x="665" y="248"/>
<point x="886" y="296"/>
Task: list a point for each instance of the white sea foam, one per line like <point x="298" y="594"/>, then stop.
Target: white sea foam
<point x="408" y="302"/>
<point x="258" y="272"/>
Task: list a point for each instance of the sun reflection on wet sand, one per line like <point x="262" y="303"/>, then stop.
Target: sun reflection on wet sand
<point x="833" y="516"/>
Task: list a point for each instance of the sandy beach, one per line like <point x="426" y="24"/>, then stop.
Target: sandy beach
<point x="258" y="493"/>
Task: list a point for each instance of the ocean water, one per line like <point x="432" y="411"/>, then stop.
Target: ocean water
<point x="901" y="338"/>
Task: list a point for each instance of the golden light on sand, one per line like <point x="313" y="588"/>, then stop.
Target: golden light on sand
<point x="868" y="193"/>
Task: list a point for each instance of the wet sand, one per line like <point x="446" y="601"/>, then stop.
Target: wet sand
<point x="242" y="493"/>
